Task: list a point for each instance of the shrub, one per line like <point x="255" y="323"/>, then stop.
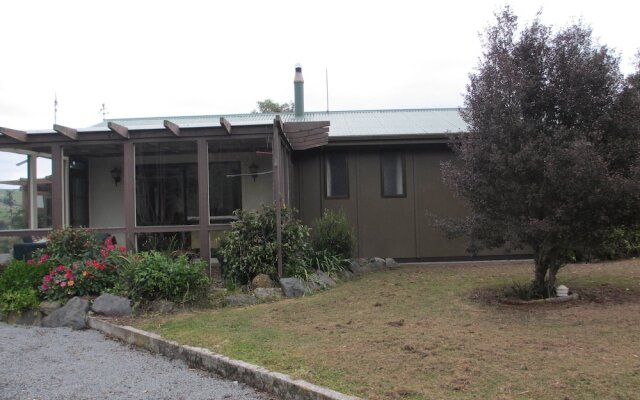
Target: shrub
<point x="20" y="275"/>
<point x="250" y="247"/>
<point x="71" y="244"/>
<point x="332" y="234"/>
<point x="149" y="276"/>
<point x="81" y="277"/>
<point x="18" y="300"/>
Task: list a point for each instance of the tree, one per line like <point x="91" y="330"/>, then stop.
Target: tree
<point x="550" y="160"/>
<point x="270" y="106"/>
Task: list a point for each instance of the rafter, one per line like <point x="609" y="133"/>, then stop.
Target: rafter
<point x="304" y="134"/>
<point x="226" y="125"/>
<point x="173" y="127"/>
<point x="119" y="129"/>
<point x="291" y="127"/>
<point x="14" y="134"/>
<point x="66" y="131"/>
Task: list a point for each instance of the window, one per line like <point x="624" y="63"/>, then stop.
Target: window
<point x="225" y="189"/>
<point x="337" y="175"/>
<point x="392" y="174"/>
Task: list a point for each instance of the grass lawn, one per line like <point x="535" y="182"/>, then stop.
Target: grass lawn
<point x="422" y="332"/>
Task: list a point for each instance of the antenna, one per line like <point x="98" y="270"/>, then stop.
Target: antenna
<point x="326" y="76"/>
<point x="55" y="108"/>
<point x="103" y="111"/>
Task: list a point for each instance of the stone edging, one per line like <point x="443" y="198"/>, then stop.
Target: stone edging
<point x="281" y="385"/>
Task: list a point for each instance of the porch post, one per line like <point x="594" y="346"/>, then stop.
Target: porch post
<point x="203" y="202"/>
<point x="32" y="199"/>
<point x="57" y="187"/>
<point x="129" y="196"/>
<point x="277" y="192"/>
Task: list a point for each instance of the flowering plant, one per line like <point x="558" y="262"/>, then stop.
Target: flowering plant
<point x="90" y="276"/>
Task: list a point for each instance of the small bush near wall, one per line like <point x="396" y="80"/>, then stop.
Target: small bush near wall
<point x="153" y="275"/>
<point x="332" y="235"/>
<point x="250" y="248"/>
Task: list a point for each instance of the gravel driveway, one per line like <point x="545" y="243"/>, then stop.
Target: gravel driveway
<point x="42" y="363"/>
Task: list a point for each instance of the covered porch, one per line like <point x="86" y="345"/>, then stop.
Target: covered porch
<point x="148" y="184"/>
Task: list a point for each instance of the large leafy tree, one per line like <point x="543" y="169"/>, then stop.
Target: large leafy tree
<point x="270" y="106"/>
<point x="550" y="160"/>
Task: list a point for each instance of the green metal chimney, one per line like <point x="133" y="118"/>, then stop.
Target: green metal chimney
<point x="298" y="87"/>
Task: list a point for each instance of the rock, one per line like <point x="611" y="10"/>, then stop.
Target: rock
<point x="293" y="287"/>
<point x="262" y="281"/>
<point x="267" y="293"/>
<point x="5" y="258"/>
<point x="377" y="264"/>
<point x="71" y="315"/>
<point x="24" y="317"/>
<point x="161" y="306"/>
<point x="111" y="305"/>
<point x="47" y="307"/>
<point x="391" y="263"/>
<point x="322" y="279"/>
<point x="345" y="274"/>
<point x="357" y="266"/>
<point x="240" y="300"/>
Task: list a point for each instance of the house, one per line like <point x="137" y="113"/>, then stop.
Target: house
<point x="142" y="178"/>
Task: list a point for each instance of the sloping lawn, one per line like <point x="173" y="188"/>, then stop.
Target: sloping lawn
<point x="422" y="332"/>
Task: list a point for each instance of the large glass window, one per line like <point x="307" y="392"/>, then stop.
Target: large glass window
<point x="337" y="175"/>
<point x="14" y="191"/>
<point x="239" y="176"/>
<point x="166" y="183"/>
<point x="44" y="207"/>
<point x="392" y="171"/>
<point x="94" y="187"/>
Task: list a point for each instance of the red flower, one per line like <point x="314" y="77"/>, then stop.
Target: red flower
<point x="43" y="258"/>
<point x="60" y="268"/>
<point x="30" y="262"/>
<point x="47" y="278"/>
<point x="122" y="249"/>
<point x="103" y="253"/>
<point x="44" y="286"/>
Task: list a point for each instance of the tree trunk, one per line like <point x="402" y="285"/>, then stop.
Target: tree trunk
<point x="539" y="287"/>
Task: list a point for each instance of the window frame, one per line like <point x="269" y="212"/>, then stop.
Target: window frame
<point x="403" y="165"/>
<point x="325" y="160"/>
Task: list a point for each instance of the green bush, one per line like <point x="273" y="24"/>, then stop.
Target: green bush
<point x="18" y="300"/>
<point x="250" y="247"/>
<point x="20" y="275"/>
<point x="149" y="276"/>
<point x="622" y="242"/>
<point x="67" y="245"/>
<point x="332" y="234"/>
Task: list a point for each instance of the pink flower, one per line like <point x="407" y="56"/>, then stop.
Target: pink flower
<point x="63" y="284"/>
<point x="44" y="286"/>
<point x="122" y="249"/>
<point x="43" y="258"/>
<point x="30" y="262"/>
<point x="47" y="278"/>
<point x="60" y="268"/>
<point x="103" y="253"/>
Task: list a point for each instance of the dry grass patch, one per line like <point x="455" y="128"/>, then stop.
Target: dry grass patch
<point x="422" y="332"/>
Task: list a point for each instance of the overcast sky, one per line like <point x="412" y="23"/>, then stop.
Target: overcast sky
<point x="163" y="58"/>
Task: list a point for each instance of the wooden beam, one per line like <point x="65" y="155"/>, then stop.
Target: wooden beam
<point x="313" y="132"/>
<point x="119" y="129"/>
<point x="290" y="127"/>
<point x="226" y="125"/>
<point x="174" y="128"/>
<point x="278" y="122"/>
<point x="20" y="136"/>
<point x="307" y="146"/>
<point x="319" y="136"/>
<point x="66" y="131"/>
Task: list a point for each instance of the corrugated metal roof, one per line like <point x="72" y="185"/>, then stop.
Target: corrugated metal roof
<point x="343" y="123"/>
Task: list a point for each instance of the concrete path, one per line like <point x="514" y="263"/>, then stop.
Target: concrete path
<point x="41" y="363"/>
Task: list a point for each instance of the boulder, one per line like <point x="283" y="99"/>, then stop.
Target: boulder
<point x="111" y="306"/>
<point x="358" y="266"/>
<point x="345" y="274"/>
<point x="267" y="293"/>
<point x="293" y="287"/>
<point x="377" y="264"/>
<point x="25" y="317"/>
<point x="71" y="315"/>
<point x="391" y="263"/>
<point x="47" y="307"/>
<point x="262" y="281"/>
<point x="322" y="279"/>
<point x="240" y="300"/>
<point x="161" y="306"/>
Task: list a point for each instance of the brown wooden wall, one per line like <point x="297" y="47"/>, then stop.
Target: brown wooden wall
<point x="387" y="227"/>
